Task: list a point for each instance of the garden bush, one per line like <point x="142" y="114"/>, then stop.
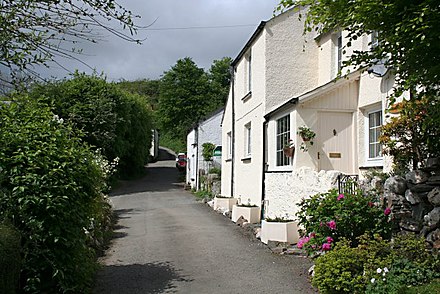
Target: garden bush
<point x="328" y="217"/>
<point x="10" y="260"/>
<point x="376" y="266"/>
<point x="117" y="122"/>
<point x="52" y="184"/>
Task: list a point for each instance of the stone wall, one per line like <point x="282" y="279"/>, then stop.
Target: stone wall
<point x="415" y="201"/>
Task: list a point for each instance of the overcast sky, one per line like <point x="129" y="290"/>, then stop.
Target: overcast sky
<point x="164" y="45"/>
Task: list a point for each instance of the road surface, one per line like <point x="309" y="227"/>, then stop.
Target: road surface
<point x="166" y="242"/>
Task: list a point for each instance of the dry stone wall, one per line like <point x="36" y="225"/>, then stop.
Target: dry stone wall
<point x="415" y="201"/>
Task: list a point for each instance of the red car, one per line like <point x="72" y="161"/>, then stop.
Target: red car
<point x="181" y="161"/>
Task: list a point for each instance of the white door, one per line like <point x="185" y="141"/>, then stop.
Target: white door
<point x="335" y="142"/>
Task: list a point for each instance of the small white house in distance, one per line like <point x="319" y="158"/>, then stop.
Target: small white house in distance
<point x="206" y="131"/>
<point x="284" y="80"/>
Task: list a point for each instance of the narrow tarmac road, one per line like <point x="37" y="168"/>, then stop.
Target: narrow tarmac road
<point x="166" y="242"/>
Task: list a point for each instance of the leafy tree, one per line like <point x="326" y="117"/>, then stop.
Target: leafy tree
<point x="409" y="45"/>
<point x="111" y="119"/>
<point x="183" y="99"/>
<point x="35" y="32"/>
<point x="146" y="88"/>
<point x="187" y="94"/>
<point x="220" y="77"/>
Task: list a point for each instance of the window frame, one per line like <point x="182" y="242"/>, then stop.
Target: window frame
<point x="248" y="140"/>
<point x="378" y="160"/>
<point x="229" y="145"/>
<point x="249" y="71"/>
<point x="282" y="136"/>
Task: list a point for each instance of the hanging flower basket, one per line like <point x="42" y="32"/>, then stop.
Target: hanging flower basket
<point x="289" y="151"/>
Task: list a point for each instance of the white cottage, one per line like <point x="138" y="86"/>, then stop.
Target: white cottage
<point x="208" y="130"/>
<point x="283" y="81"/>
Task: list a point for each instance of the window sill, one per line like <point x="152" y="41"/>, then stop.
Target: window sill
<point x="247" y="96"/>
<point x="228" y="160"/>
<point x="246" y="159"/>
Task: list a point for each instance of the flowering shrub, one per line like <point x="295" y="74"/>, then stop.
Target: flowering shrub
<point x="331" y="216"/>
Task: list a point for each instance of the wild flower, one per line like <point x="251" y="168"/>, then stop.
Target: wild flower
<point x="340" y="197"/>
<point x="387" y="211"/>
<point x="329" y="239"/>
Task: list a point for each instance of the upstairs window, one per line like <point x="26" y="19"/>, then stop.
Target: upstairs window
<point x="374" y="39"/>
<point x="339" y="52"/>
<point x="229" y="145"/>
<point x="282" y="139"/>
<point x="374" y="131"/>
<point x="248" y="140"/>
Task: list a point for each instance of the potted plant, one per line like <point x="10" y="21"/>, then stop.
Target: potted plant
<point x="289" y="149"/>
<point x="279" y="229"/>
<point x="248" y="211"/>
<point x="307" y="135"/>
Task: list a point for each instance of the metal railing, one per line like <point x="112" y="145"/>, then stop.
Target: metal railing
<point x="347" y="183"/>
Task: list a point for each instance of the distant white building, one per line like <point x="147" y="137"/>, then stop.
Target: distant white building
<point x="206" y="131"/>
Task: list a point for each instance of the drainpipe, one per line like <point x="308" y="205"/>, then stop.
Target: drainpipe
<point x="263" y="169"/>
<point x="196" y="135"/>
<point x="233" y="129"/>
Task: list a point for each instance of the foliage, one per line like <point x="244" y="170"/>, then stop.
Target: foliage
<point x="34" y="32"/>
<point x="307" y="134"/>
<point x="112" y="120"/>
<point x="219" y="79"/>
<point x="10" y="259"/>
<point x="433" y="287"/>
<point x="215" y="170"/>
<point x="145" y="88"/>
<point x="380" y="266"/>
<point x="203" y="194"/>
<point x="278" y="219"/>
<point x="340" y="270"/>
<point x="187" y="94"/>
<point x="412" y="136"/>
<point x="208" y="151"/>
<point x="329" y="217"/>
<point x="52" y="187"/>
<point x="182" y="99"/>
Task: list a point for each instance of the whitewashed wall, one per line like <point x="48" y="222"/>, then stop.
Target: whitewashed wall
<point x="291" y="59"/>
<point x="285" y="190"/>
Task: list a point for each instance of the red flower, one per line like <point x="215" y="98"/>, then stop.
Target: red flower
<point x="329" y="240"/>
<point x="326" y="246"/>
<point x="387" y="211"/>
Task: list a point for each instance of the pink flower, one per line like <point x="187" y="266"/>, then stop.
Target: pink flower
<point x="387" y="211"/>
<point x="302" y="242"/>
<point x="370" y="204"/>
<point x="329" y="240"/>
<point x="312" y="235"/>
<point x="332" y="225"/>
<point x="326" y="246"/>
<point x="340" y="197"/>
<point x="321" y="224"/>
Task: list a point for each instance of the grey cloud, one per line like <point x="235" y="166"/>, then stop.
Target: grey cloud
<point x="161" y="49"/>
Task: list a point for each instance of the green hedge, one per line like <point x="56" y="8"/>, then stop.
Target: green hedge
<point x="52" y="185"/>
<point x="10" y="260"/>
<point x="115" y="121"/>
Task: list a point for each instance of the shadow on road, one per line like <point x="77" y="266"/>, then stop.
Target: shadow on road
<point x="139" y="278"/>
<point x="160" y="176"/>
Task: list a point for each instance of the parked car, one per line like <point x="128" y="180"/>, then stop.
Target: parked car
<point x="181" y="161"/>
